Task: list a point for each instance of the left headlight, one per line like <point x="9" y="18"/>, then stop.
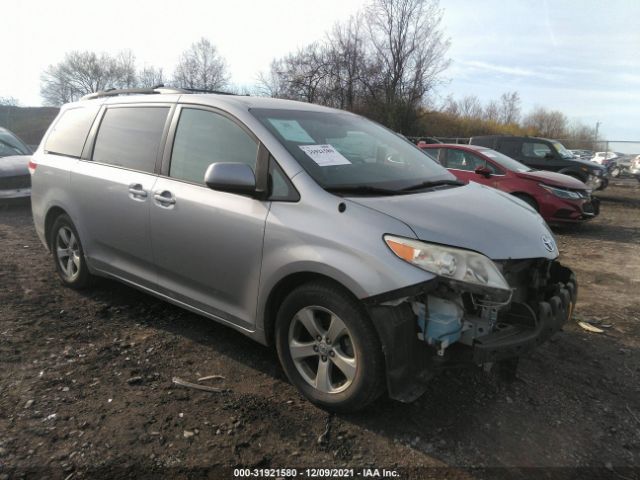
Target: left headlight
<point x="449" y="262"/>
<point x="561" y="192"/>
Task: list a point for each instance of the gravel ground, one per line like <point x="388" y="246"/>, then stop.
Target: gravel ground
<point x="86" y="383"/>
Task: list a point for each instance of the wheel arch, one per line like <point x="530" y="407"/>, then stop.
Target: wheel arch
<point x="520" y="194"/>
<point x="53" y="213"/>
<point x="283" y="287"/>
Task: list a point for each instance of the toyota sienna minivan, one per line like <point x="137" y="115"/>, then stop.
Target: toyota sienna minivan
<point x="366" y="264"/>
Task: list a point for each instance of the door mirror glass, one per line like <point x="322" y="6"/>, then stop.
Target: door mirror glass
<point x="483" y="170"/>
<point x="231" y="178"/>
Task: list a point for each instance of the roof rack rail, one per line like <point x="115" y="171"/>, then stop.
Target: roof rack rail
<point x="158" y="89"/>
<point x="202" y="90"/>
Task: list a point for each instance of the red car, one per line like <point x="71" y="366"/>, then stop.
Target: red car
<point x="558" y="198"/>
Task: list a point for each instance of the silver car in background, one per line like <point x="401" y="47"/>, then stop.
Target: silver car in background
<point x="15" y="181"/>
<point x="366" y="264"/>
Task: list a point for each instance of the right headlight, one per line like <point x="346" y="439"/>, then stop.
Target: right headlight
<point x="449" y="262"/>
<point x="561" y="192"/>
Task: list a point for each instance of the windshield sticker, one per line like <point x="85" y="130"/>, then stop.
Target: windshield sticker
<point x="291" y="130"/>
<point x="324" y="155"/>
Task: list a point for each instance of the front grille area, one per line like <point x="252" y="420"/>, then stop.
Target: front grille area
<point x="13" y="183"/>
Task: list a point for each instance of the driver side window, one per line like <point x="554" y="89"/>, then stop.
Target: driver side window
<point x="461" y="160"/>
<point x="204" y="137"/>
<point x="535" y="150"/>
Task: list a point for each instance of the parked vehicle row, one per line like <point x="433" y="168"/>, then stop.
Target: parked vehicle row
<point x="369" y="266"/>
<point x="558" y="198"/>
<point x="15" y="181"/>
<point x="545" y="154"/>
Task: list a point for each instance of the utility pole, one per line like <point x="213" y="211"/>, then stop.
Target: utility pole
<point x="595" y="142"/>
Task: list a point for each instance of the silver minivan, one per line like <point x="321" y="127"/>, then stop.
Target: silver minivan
<point x="366" y="264"/>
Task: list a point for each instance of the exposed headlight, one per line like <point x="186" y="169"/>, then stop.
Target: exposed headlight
<point x="449" y="262"/>
<point x="561" y="192"/>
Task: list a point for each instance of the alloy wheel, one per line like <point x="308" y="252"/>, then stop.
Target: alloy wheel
<point x="322" y="349"/>
<point x="68" y="253"/>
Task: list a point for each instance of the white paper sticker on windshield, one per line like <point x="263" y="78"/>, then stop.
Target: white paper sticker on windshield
<point x="291" y="130"/>
<point x="324" y="155"/>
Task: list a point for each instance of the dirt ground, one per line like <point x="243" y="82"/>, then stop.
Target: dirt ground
<point x="86" y="383"/>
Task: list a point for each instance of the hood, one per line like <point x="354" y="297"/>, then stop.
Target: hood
<point x="587" y="163"/>
<point x="14" y="165"/>
<point x="474" y="217"/>
<point x="553" y="178"/>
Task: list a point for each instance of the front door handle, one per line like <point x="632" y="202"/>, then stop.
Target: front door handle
<point x="164" y="198"/>
<point x="137" y="192"/>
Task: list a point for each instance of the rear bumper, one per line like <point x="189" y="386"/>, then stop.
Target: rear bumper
<point x="15" y="193"/>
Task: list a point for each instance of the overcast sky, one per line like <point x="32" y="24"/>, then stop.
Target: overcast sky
<point x="581" y="57"/>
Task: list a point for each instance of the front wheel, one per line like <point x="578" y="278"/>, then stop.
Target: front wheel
<point x="328" y="347"/>
<point x="528" y="200"/>
<point x="68" y="254"/>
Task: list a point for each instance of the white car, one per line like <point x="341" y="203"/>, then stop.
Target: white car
<point x="600" y="157"/>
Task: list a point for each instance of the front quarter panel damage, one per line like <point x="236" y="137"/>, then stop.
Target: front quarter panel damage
<point x="544" y="294"/>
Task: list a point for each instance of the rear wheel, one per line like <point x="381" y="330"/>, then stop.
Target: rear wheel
<point x="328" y="347"/>
<point x="68" y="254"/>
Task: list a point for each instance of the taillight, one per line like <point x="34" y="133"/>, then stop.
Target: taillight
<point x="32" y="166"/>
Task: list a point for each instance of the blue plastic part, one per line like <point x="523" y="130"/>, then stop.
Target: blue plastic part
<point x="444" y="324"/>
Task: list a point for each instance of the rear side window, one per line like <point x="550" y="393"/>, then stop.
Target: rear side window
<point x="535" y="150"/>
<point x="130" y="137"/>
<point x="70" y="131"/>
<point x="511" y="148"/>
<point x="461" y="160"/>
<point x="205" y="137"/>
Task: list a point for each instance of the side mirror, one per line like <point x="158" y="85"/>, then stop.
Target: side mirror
<point x="549" y="156"/>
<point x="484" y="171"/>
<point x="231" y="178"/>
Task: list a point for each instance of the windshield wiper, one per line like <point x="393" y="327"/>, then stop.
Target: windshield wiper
<point x="435" y="183"/>
<point x="360" y="190"/>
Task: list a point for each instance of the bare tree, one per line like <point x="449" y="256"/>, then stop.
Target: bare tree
<point x="150" y="77"/>
<point x="410" y="50"/>
<point x="470" y="107"/>
<point x="80" y="73"/>
<point x="9" y="102"/>
<point x="547" y="123"/>
<point x="382" y="63"/>
<point x="346" y="58"/>
<point x="201" y="67"/>
<point x="509" y="107"/>
<point x="491" y="111"/>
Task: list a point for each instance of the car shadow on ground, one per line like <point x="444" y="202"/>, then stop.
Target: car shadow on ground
<point x="462" y="408"/>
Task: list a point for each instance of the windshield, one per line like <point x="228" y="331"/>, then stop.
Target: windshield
<point x="504" y="161"/>
<point x="11" y="145"/>
<point x="564" y="153"/>
<point x="345" y="150"/>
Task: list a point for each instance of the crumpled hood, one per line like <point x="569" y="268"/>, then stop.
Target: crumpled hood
<point x="553" y="178"/>
<point x="474" y="217"/>
<point x="588" y="163"/>
<point x="14" y="165"/>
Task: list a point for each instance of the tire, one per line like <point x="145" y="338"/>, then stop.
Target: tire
<point x="68" y="255"/>
<point x="528" y="200"/>
<point x="341" y="374"/>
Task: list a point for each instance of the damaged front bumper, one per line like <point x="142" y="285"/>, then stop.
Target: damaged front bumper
<point x="543" y="297"/>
